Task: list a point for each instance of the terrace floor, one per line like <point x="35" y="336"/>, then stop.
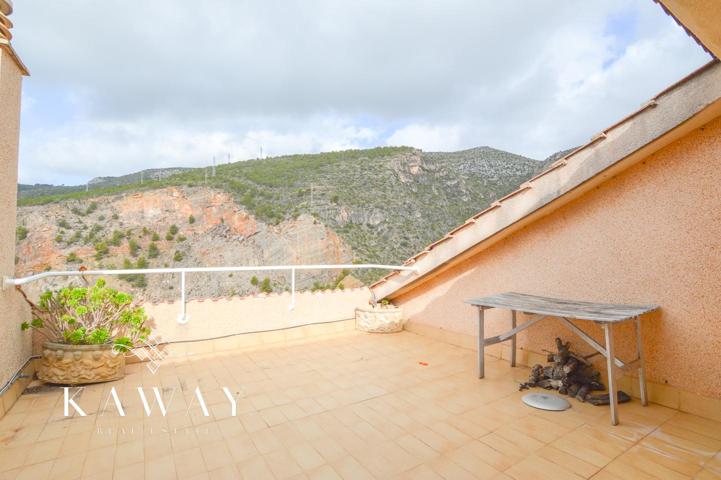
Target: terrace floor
<point x="352" y="406"/>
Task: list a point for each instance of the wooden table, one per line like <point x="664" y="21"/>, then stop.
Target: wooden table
<point x="604" y="314"/>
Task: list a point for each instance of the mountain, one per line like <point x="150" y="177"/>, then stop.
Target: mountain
<point x="149" y="175"/>
<point x="378" y="205"/>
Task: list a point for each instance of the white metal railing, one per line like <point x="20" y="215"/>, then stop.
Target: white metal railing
<point x="183" y="317"/>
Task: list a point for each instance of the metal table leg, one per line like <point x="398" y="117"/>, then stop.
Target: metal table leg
<point x="481" y="343"/>
<point x="641" y="365"/>
<point x="612" y="394"/>
<point x="513" y="339"/>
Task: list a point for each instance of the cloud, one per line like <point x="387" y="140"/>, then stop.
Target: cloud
<point x="172" y="82"/>
<point x="427" y="137"/>
<point x="82" y="150"/>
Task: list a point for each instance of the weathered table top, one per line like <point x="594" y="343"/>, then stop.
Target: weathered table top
<point x="559" y="307"/>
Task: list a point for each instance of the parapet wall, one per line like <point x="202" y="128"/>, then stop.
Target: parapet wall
<point x="220" y="317"/>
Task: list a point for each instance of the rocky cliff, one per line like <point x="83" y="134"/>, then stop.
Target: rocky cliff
<point x="172" y="227"/>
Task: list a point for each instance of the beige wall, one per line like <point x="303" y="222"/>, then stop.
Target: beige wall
<point x="14" y="344"/>
<point x="650" y="235"/>
<point x="228" y="316"/>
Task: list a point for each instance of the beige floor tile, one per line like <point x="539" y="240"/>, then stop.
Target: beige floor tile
<point x="592" y="445"/>
<point x="241" y="448"/>
<point x="189" y="463"/>
<point x="448" y="469"/>
<point x="35" y="472"/>
<point x="129" y="453"/>
<point x="254" y="469"/>
<point x="306" y="456"/>
<point x="157" y="446"/>
<point x="228" y="472"/>
<point x="265" y="441"/>
<point x="12" y="457"/>
<point x="68" y="467"/>
<point x="539" y="468"/>
<point x="325" y="472"/>
<point x="161" y="468"/>
<point x="99" y="460"/>
<point x="688" y="439"/>
<point x="216" y="455"/>
<point x="44" y="451"/>
<point x="350" y="406"/>
<point x="282" y="464"/>
<point x="350" y="469"/>
<point x="697" y="424"/>
<point x="567" y="461"/>
<point x="130" y="472"/>
<point x="329" y="449"/>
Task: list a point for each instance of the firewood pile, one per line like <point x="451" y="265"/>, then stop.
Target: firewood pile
<point x="571" y="375"/>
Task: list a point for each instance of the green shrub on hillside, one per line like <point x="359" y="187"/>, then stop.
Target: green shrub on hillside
<point x="178" y="256"/>
<point x="116" y="238"/>
<point x="73" y="258"/>
<point x="137" y="280"/>
<point x="191" y="219"/>
<point x="21" y="232"/>
<point x="153" y="250"/>
<point x="101" y="250"/>
<point x="133" y="247"/>
<point x="266" y="286"/>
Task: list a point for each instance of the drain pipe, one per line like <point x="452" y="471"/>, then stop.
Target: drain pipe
<point x="18" y="375"/>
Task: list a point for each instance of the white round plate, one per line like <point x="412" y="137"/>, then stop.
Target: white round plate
<point x="546" y="401"/>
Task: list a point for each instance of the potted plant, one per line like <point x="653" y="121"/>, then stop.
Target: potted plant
<point x="88" y="331"/>
<point x="383" y="317"/>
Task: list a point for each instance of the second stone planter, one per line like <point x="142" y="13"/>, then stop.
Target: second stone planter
<point x="379" y="319"/>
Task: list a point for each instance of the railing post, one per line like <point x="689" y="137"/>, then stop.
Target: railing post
<point x="183" y="317"/>
<point x="292" y="289"/>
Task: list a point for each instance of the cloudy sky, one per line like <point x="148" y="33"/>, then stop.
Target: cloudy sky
<point x="119" y="86"/>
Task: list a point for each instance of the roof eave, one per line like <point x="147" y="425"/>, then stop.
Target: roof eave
<point x="674" y="112"/>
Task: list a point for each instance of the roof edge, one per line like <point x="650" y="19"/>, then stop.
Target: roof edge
<point x="637" y="132"/>
<point x="6" y="46"/>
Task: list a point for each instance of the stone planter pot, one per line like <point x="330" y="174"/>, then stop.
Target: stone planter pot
<point x="379" y="319"/>
<point x="79" y="364"/>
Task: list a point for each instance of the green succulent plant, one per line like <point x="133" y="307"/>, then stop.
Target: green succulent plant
<point x="91" y="315"/>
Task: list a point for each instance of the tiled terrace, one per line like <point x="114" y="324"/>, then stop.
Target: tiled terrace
<point x="351" y="406"/>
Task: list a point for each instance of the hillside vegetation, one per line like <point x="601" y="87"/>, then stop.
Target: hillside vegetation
<point x="384" y="203"/>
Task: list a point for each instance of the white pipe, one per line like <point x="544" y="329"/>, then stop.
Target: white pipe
<point x="292" y="289"/>
<point x="183" y="317"/>
<point x="135" y="271"/>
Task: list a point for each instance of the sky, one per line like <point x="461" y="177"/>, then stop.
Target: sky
<point x="120" y="86"/>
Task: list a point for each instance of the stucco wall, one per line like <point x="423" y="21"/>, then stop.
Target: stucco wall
<point x="14" y="344"/>
<point x="228" y="316"/>
<point x="650" y="235"/>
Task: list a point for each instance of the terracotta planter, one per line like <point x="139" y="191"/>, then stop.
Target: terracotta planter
<point x="79" y="364"/>
<point x="379" y="319"/>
